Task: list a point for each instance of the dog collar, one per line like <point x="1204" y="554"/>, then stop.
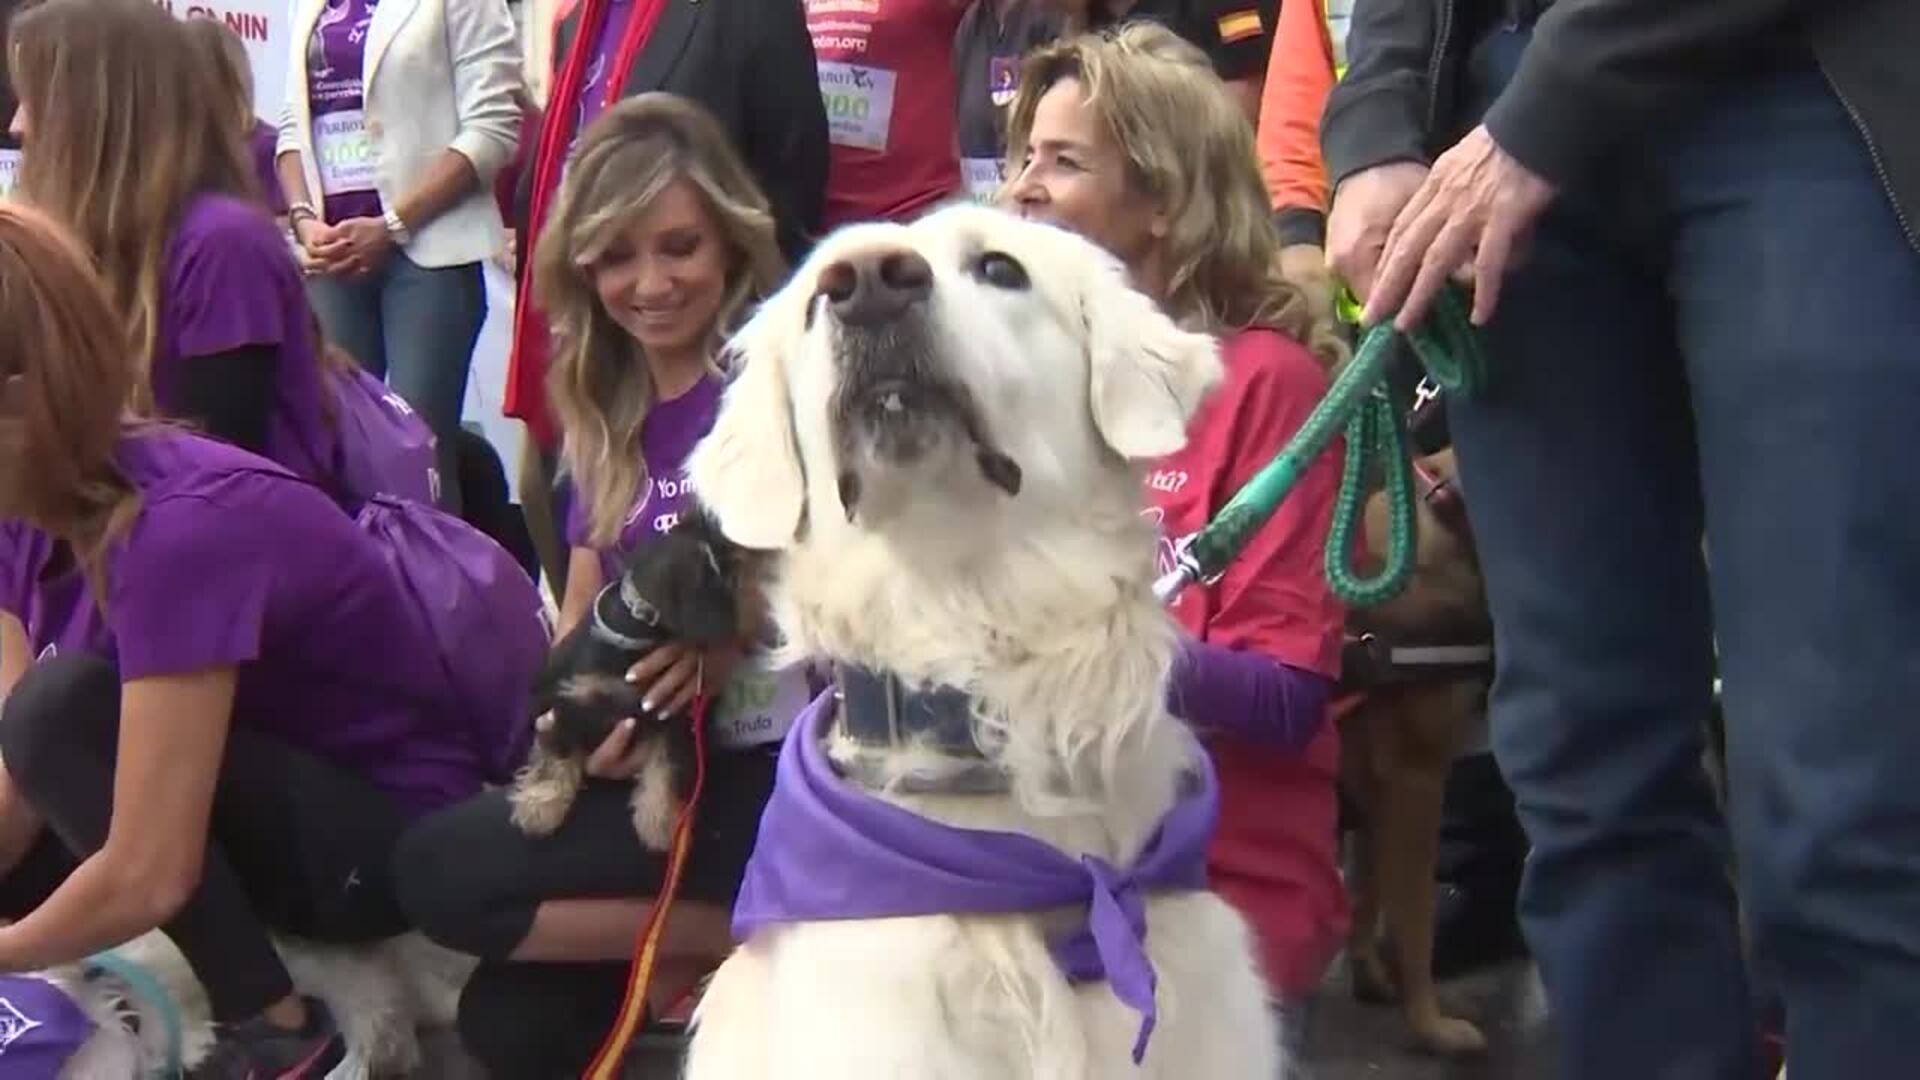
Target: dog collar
<point x="878" y="716"/>
<point x="624" y="620"/>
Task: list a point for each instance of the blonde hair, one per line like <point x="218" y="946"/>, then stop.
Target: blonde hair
<point x="1188" y="146"/>
<point x="125" y="132"/>
<point x="599" y="383"/>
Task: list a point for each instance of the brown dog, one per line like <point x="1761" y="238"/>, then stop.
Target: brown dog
<point x="1399" y="741"/>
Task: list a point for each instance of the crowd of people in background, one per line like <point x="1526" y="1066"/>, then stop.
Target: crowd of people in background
<point x="237" y="355"/>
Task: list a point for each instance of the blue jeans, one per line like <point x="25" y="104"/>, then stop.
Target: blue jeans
<point x="415" y="328"/>
<point x="1718" y="337"/>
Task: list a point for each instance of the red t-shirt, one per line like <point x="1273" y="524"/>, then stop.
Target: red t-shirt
<point x="1276" y="854"/>
<point x="886" y="77"/>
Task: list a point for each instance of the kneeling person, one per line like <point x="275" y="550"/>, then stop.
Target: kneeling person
<point x="220" y="706"/>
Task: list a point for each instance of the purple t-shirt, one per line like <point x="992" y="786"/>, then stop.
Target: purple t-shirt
<point x="231" y="282"/>
<point x="263" y="143"/>
<point x="667" y="436"/>
<point x="231" y="562"/>
<point x="759" y="702"/>
<point x="593" y="89"/>
<point x="345" y="156"/>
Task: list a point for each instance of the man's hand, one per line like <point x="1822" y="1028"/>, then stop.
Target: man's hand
<point x="1476" y="209"/>
<point x="1364" y="206"/>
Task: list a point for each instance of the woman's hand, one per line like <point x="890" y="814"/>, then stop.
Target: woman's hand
<point x="616" y="758"/>
<point x="356" y="246"/>
<point x="313" y="236"/>
<point x="671" y="676"/>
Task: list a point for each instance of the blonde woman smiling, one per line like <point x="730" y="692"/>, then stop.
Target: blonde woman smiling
<point x="659" y="243"/>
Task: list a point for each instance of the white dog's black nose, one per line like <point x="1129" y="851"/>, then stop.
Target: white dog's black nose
<point x="875" y="286"/>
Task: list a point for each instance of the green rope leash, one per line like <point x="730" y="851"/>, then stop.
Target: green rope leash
<point x="1449" y="349"/>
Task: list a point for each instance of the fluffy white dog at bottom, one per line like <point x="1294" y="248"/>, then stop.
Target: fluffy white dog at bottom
<point x="943" y="428"/>
<point x="380" y="995"/>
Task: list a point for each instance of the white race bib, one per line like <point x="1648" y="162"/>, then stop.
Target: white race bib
<point x="758" y="705"/>
<point x="9" y="171"/>
<point x="982" y="176"/>
<point x="859" y="101"/>
<point x="349" y="161"/>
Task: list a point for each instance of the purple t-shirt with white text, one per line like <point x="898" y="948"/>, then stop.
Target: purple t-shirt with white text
<point x="347" y="159"/>
<point x="667" y="436"/>
<point x="759" y="701"/>
<point x="231" y="562"/>
<point x="231" y="282"/>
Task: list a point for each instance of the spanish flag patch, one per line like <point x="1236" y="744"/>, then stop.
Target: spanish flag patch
<point x="1240" y="25"/>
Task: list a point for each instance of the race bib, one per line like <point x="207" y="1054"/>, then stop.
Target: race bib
<point x="859" y="101"/>
<point x="9" y="171"/>
<point x="348" y="161"/>
<point x="758" y="705"/>
<point x="982" y="176"/>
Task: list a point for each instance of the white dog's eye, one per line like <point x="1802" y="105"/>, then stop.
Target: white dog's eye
<point x="1000" y="270"/>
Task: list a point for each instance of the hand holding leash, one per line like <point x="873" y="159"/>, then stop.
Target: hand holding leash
<point x="672" y="675"/>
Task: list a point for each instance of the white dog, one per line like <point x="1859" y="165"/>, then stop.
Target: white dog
<point x="380" y="995"/>
<point x="943" y="427"/>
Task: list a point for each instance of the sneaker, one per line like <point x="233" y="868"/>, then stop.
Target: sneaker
<point x="257" y="1050"/>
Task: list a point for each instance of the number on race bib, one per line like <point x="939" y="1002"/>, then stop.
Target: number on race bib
<point x="859" y="103"/>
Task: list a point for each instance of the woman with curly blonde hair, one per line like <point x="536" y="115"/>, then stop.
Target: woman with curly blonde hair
<point x="1130" y="139"/>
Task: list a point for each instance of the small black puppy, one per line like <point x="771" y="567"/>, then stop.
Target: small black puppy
<point x="684" y="586"/>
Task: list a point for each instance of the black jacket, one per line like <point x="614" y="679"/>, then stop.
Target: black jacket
<point x="1598" y="69"/>
<point x="750" y="62"/>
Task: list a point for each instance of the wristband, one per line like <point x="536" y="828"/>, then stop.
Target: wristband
<point x="397" y="228"/>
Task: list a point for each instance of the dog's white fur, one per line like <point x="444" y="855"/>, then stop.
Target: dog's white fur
<point x="380" y="995"/>
<point x="1038" y="604"/>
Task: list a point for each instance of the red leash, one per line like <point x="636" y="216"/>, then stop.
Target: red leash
<point x="646" y="952"/>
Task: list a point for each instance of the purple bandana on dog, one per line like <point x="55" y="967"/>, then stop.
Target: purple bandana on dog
<point x="828" y="851"/>
<point x="40" y="1028"/>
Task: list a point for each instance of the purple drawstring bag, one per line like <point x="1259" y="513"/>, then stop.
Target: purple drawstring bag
<point x="486" y="618"/>
<point x="385" y="448"/>
<point x="40" y="1028"/>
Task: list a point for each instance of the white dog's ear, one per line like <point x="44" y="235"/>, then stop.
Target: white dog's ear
<point x="1148" y="375"/>
<point x="747" y="470"/>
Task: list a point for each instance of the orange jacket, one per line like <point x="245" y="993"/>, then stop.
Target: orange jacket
<point x="1300" y="75"/>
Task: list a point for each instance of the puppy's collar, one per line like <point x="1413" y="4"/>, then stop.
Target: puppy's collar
<point x="879" y="716"/>
<point x="624" y="619"/>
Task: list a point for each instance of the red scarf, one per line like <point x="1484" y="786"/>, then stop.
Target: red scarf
<point x="526" y="397"/>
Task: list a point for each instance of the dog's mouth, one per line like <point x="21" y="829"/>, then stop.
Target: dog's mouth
<point x="895" y="408"/>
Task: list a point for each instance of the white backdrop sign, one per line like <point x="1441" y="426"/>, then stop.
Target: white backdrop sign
<point x="263" y="25"/>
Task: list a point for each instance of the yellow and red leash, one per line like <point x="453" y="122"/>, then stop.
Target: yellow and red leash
<point x="646" y="952"/>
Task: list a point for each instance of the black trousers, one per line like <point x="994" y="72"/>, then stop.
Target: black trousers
<point x="298" y="845"/>
<point x="472" y="881"/>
